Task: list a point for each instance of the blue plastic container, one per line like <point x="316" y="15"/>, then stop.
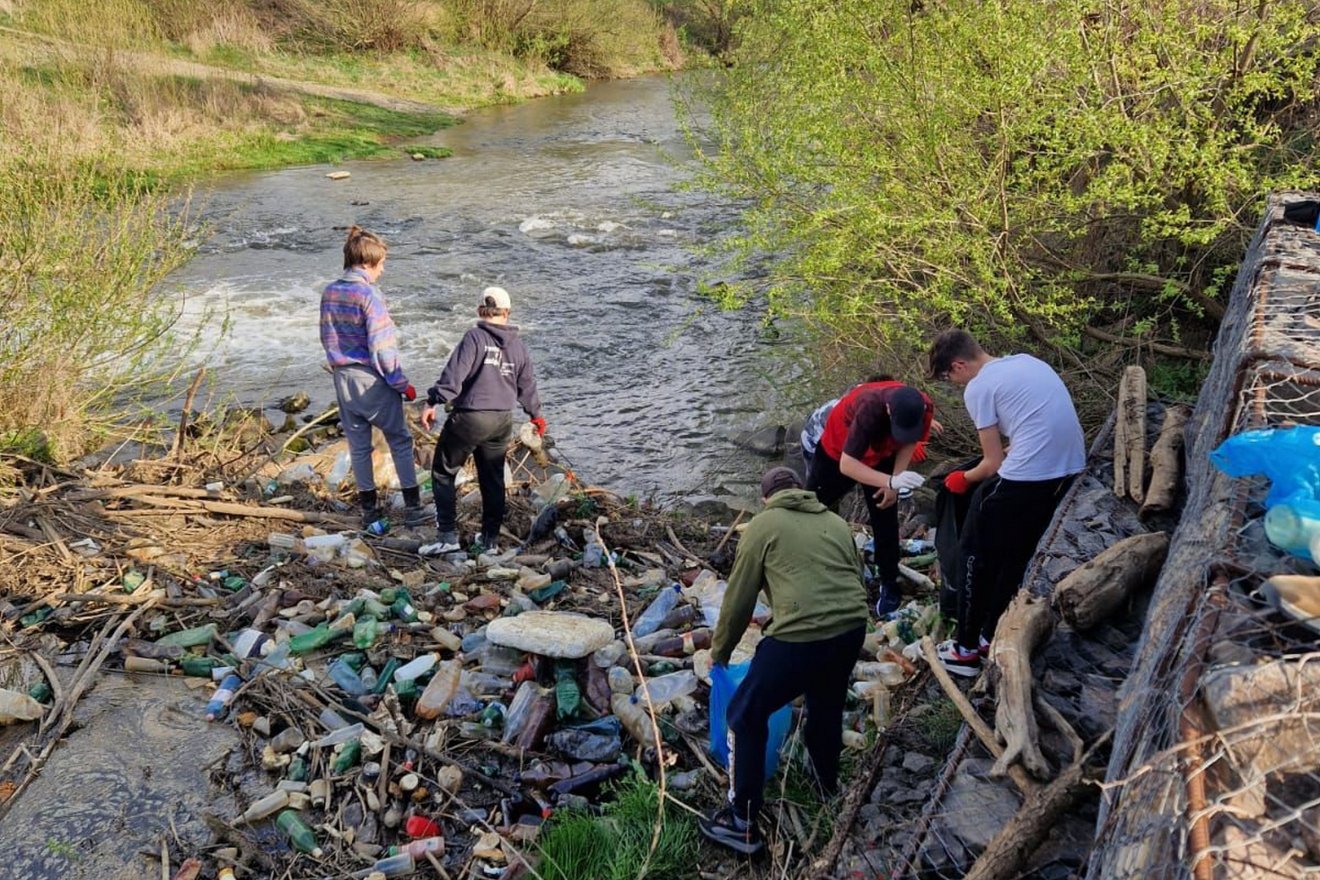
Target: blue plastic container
<point x="724" y="681"/>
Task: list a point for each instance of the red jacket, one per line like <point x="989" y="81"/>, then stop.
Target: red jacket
<point x="859" y="424"/>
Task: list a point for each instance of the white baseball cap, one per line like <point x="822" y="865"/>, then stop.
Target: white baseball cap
<point x="495" y="298"/>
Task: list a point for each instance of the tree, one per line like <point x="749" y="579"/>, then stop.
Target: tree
<point x="1077" y="174"/>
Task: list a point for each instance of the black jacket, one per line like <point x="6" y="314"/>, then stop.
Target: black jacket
<point x="490" y="369"/>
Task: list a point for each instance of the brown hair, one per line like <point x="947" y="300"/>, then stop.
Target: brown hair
<point x="491" y="312"/>
<point x="949" y="346"/>
<point x="363" y="248"/>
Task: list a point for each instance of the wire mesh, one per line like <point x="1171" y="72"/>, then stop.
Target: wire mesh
<point x="1215" y="771"/>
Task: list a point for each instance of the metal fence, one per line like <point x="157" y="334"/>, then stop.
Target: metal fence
<point x="1215" y="768"/>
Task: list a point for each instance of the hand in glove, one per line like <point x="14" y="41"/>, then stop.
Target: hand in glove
<point x="410" y="393"/>
<point x="906" y="481"/>
<point x="539" y="424"/>
<point x="919" y="452"/>
<point x="956" y="482"/>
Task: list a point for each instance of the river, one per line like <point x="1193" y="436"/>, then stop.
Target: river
<point x="571" y="203"/>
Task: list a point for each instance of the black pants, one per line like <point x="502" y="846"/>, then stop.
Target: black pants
<point x="830" y="485"/>
<point x="781" y="672"/>
<point x="483" y="434"/>
<point x="1003" y="526"/>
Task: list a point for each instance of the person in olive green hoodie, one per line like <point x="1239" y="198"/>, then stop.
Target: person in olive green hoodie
<point x="803" y="557"/>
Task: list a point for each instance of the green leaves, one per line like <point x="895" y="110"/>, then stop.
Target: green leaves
<point x="984" y="162"/>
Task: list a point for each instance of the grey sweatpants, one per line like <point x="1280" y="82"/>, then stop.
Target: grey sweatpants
<point x="365" y="400"/>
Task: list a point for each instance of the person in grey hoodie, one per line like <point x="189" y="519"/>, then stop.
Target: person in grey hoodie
<point x="488" y="372"/>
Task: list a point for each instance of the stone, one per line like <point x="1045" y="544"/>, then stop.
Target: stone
<point x="975" y="808"/>
<point x="915" y="762"/>
<point x="339" y="175"/>
<point x="1239" y="695"/>
<point x="551" y="633"/>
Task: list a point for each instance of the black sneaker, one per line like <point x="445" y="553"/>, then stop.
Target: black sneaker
<point x="728" y="830"/>
<point x="490" y="545"/>
<point x="371" y="515"/>
<point x="416" y="516"/>
<point x="958" y="660"/>
<point x="888" y="602"/>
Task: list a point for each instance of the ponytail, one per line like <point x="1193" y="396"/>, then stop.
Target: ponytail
<point x="363" y="248"/>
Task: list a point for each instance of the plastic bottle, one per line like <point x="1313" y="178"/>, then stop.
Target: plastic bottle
<point x="386" y="675"/>
<point x="1291" y="527"/>
<point x="347" y="678"/>
<point x="500" y="660"/>
<point x="621" y="681"/>
<point x="319" y="637"/>
<point x="222" y="697"/>
<point x="592" y="554"/>
<point x="418" y="666"/>
<point x="300" y="836"/>
<point x="283" y="542"/>
<point x="635" y="719"/>
<point x="347" y="758"/>
<point x="145" y="664"/>
<point x="16" y="706"/>
<point x="189" y="638"/>
<point x="249" y="643"/>
<point x="419" y="848"/>
<point x="379" y="527"/>
<point x="582" y="745"/>
<point x="367" y="630"/>
<point x="684" y="645"/>
<point x="539" y="719"/>
<point x="493" y="715"/>
<point x="198" y="667"/>
<point x="266" y="806"/>
<point x="440" y="690"/>
<point x="339" y="470"/>
<point x="667" y="688"/>
<point x="342" y="734"/>
<point x="400" y="865"/>
<point x="649" y="620"/>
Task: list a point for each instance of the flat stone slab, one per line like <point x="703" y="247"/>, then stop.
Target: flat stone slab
<point x="551" y="633"/>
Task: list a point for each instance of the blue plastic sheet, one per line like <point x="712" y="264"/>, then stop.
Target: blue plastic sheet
<point x="1290" y="457"/>
<point x="724" y="681"/>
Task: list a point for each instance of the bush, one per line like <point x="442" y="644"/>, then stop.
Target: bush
<point x="1073" y="177"/>
<point x="81" y="252"/>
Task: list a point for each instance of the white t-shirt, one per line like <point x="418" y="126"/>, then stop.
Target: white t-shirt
<point x="1031" y="405"/>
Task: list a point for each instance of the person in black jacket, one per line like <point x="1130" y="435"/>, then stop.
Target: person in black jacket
<point x="488" y="372"/>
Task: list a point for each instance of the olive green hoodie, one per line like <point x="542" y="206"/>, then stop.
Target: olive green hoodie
<point x="803" y="556"/>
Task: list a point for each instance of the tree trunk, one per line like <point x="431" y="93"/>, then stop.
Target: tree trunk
<point x="1166" y="462"/>
<point x="1096" y="589"/>
<point x="1025" y="626"/>
<point x="1130" y="436"/>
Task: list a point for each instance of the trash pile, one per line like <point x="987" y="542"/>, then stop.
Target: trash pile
<point x="403" y="714"/>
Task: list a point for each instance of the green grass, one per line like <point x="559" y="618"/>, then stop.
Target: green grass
<point x="939" y="725"/>
<point x="614" y="846"/>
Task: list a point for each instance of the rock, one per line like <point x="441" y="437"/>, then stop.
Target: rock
<point x="339" y="175"/>
<point x="417" y="157"/>
<point x="489" y="848"/>
<point x="295" y="403"/>
<point x="1238" y="695"/>
<point x="484" y="602"/>
<point x="915" y="762"/>
<point x="551" y="633"/>
<point x="975" y="808"/>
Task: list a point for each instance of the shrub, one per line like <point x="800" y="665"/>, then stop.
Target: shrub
<point x="81" y="252"/>
<point x="1070" y="176"/>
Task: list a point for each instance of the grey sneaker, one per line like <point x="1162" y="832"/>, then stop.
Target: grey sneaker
<point x="416" y="516"/>
<point x="490" y="545"/>
<point x="446" y="542"/>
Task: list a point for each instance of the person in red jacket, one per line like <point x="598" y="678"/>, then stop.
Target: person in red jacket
<point x="869" y="440"/>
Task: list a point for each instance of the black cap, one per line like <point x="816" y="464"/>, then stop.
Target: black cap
<point x="907" y="415"/>
<point x="779" y="479"/>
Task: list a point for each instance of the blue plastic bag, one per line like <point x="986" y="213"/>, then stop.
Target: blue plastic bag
<point x="1290" y="457"/>
<point x="724" y="681"/>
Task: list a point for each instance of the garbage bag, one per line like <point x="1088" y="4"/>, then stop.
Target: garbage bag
<point x="950" y="511"/>
<point x="724" y="681"/>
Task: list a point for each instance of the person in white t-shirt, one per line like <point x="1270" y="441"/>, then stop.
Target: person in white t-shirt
<point x="1017" y="487"/>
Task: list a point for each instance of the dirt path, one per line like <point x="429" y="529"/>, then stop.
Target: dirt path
<point x="29" y="48"/>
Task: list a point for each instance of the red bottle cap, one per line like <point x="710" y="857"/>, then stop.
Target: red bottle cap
<point x="418" y="827"/>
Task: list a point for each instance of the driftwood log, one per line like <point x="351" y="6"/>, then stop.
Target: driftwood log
<point x="1130" y="436"/>
<point x="1007" y="854"/>
<point x="1026" y="625"/>
<point x="1093" y="591"/>
<point x="1166" y="462"/>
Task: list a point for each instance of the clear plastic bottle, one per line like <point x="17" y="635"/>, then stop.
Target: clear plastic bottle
<point x="347" y="678"/>
<point x="440" y="690"/>
<point x="418" y="666"/>
<point x="500" y="660"/>
<point x="400" y="865"/>
<point x="266" y="806"/>
<point x="419" y="848"/>
<point x="667" y="688"/>
<point x="635" y="719"/>
<point x="649" y="620"/>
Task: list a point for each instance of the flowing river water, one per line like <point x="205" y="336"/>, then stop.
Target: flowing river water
<point x="571" y="204"/>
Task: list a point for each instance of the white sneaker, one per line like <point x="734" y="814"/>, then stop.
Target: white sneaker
<point x="447" y="543"/>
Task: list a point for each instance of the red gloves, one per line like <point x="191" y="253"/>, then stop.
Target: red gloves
<point x="919" y="452"/>
<point x="956" y="482"/>
<point x="539" y="424"/>
<point x="410" y="393"/>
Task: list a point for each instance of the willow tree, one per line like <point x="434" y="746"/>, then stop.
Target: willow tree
<point x="1078" y="176"/>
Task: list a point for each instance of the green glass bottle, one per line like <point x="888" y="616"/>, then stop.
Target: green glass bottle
<point x="403" y="606"/>
<point x="198" y="667"/>
<point x="302" y="837"/>
<point x="310" y="641"/>
<point x="348" y="757"/>
<point x="297" y="769"/>
<point x="189" y="638"/>
<point x="367" y="630"/>
<point x="386" y="675"/>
